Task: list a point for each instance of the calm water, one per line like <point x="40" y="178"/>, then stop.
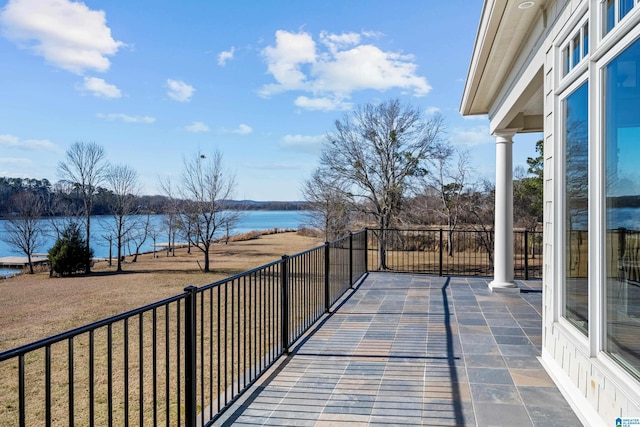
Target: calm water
<point x="251" y="220"/>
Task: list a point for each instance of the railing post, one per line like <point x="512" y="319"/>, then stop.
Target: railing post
<point x="285" y="303"/>
<point x="440" y="261"/>
<point x="190" y="356"/>
<point x="366" y="250"/>
<point x="351" y="260"/>
<point x="526" y="255"/>
<point x="327" y="282"/>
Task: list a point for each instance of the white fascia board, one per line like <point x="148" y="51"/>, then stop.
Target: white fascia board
<point x="479" y="57"/>
<point x="507" y="108"/>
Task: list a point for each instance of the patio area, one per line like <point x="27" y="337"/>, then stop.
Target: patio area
<point x="414" y="350"/>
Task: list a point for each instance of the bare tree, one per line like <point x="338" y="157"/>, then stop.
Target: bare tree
<point x="109" y="238"/>
<point x="154" y="232"/>
<point x="62" y="207"/>
<point x="24" y="231"/>
<point x="329" y="206"/>
<point x="378" y="151"/>
<point x="482" y="214"/>
<point x="84" y="166"/>
<point x="208" y="188"/>
<point x="139" y="233"/>
<point x="172" y="212"/>
<point x="122" y="181"/>
<point x="449" y="180"/>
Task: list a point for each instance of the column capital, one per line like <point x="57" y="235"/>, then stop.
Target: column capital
<point x="507" y="134"/>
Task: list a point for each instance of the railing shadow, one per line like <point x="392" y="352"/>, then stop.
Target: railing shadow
<point x="451" y="358"/>
<point x="288" y="357"/>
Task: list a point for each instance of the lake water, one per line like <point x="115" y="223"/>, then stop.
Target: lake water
<point x="250" y="221"/>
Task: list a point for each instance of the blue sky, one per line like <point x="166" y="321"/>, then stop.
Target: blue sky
<point x="261" y="81"/>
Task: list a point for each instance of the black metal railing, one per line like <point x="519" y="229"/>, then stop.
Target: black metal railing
<point x="443" y="252"/>
<point x="184" y="360"/>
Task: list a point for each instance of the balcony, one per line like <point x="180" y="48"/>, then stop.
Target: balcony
<point x="414" y="350"/>
<point x="319" y="337"/>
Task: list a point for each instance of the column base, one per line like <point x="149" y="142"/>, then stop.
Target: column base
<point x="504" y="287"/>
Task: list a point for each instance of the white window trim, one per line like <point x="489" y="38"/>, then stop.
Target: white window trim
<point x="567" y="44"/>
<point x="560" y="243"/>
<point x="602" y="21"/>
<point x="624" y="379"/>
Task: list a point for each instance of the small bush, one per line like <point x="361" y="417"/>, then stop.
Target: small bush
<point x="69" y="253"/>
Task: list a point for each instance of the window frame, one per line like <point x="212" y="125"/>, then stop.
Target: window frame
<point x="615" y="363"/>
<point x="616" y="13"/>
<point x="568" y="49"/>
<point x="567" y="91"/>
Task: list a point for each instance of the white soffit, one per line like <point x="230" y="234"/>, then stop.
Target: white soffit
<point x="502" y="33"/>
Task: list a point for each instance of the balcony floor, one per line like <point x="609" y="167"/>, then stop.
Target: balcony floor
<point x="415" y="350"/>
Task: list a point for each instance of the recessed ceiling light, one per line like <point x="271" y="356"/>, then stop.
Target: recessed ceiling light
<point x="526" y="4"/>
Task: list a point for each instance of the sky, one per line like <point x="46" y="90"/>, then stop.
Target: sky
<point x="155" y="82"/>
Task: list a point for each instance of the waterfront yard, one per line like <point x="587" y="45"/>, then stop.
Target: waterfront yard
<point x="36" y="306"/>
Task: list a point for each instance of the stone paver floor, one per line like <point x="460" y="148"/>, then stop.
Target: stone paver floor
<point x="415" y="350"/>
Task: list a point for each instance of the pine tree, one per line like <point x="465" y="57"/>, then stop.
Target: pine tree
<point x="69" y="254"/>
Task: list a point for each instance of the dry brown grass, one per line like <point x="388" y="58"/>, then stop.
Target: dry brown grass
<point x="36" y="306"/>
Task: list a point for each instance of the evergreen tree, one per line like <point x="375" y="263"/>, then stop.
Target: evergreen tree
<point x="69" y="254"/>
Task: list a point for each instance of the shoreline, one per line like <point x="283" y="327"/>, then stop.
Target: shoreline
<point x="12" y="270"/>
<point x="35" y="306"/>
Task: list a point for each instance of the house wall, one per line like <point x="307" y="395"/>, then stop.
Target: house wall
<point x="596" y="386"/>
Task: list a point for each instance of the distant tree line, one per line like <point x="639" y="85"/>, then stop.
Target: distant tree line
<point x="59" y="191"/>
<point x="198" y="208"/>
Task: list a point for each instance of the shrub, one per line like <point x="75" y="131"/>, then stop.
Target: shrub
<point x="69" y="254"/>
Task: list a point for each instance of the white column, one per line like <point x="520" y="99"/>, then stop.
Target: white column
<point x="503" y="251"/>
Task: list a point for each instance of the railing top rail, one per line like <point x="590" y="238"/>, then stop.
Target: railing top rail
<point x="445" y="228"/>
<point x="84" y="329"/>
<point x="330" y="243"/>
<point x="339" y="240"/>
<point x="237" y="276"/>
<point x="308" y="251"/>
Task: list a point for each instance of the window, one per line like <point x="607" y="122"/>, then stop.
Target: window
<point x="622" y="187"/>
<point x="576" y="177"/>
<point x="614" y="11"/>
<point x="576" y="50"/>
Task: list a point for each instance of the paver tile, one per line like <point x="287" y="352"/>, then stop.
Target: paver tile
<point x="415" y="350"/>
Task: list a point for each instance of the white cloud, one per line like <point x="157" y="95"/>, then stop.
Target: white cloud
<point x="304" y="143"/>
<point x="323" y="104"/>
<point x="341" y="65"/>
<point x="284" y="61"/>
<point x="99" y="87"/>
<point x="179" y="90"/>
<point x="225" y="56"/>
<point x="242" y="129"/>
<point x="67" y="34"/>
<point x="196" y="127"/>
<point x="431" y="110"/>
<point x="337" y="41"/>
<point x="126" y="118"/>
<point x="10" y="141"/>
<point x="471" y="137"/>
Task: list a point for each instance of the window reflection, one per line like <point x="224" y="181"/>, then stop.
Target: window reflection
<point x="576" y="212"/>
<point x="622" y="148"/>
<point x="577" y="51"/>
<point x="610" y="14"/>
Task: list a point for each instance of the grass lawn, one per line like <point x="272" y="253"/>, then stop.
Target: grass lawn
<point x="36" y="306"/>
